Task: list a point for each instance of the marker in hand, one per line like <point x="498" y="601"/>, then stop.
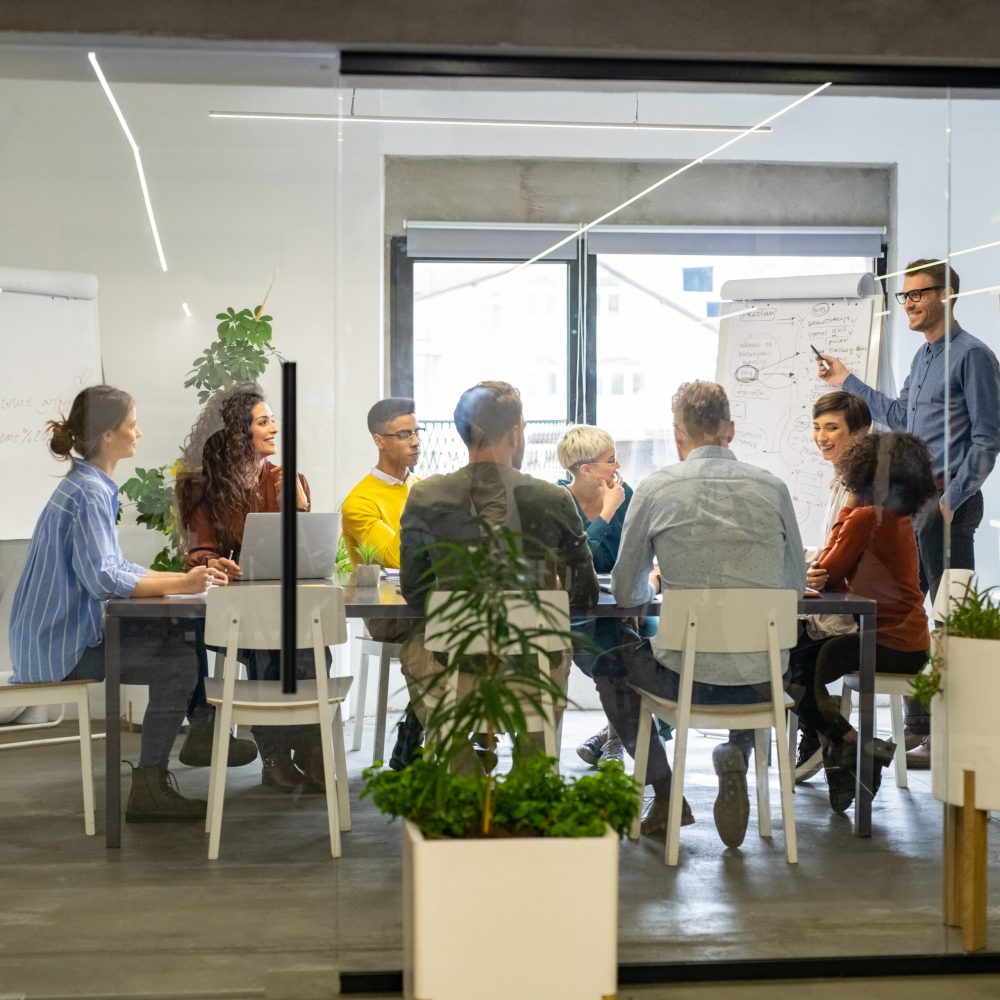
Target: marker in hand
<point x="826" y="364"/>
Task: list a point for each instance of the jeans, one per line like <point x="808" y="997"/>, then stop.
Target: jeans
<point x="154" y="654"/>
<point x="621" y="703"/>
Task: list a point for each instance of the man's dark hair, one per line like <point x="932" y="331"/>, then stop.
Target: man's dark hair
<point x="386" y="410"/>
<point x="937" y="270"/>
<point x="889" y="469"/>
<point x="856" y="413"/>
<point x="486" y="412"/>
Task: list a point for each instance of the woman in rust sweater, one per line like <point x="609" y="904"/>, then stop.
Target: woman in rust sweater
<point x="871" y="552"/>
<point x="225" y="474"/>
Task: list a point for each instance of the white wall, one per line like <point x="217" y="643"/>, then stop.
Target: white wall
<point x="240" y="201"/>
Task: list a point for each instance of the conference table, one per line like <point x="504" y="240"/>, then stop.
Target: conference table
<point x="384" y="601"/>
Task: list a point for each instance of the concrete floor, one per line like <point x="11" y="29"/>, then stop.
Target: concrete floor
<point x="276" y="917"/>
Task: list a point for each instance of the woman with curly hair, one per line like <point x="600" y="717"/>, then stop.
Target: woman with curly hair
<point x="871" y="552"/>
<point x="225" y="474"/>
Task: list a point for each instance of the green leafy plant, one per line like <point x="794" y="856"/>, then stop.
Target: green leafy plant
<point x="367" y="553"/>
<point x="496" y="624"/>
<point x="975" y="616"/>
<point x="343" y="562"/>
<point x="241" y="353"/>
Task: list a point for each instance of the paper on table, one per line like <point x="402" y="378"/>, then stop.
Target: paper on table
<point x="190" y="597"/>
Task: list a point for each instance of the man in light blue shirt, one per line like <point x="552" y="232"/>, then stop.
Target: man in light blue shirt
<point x="969" y="433"/>
<point x="710" y="521"/>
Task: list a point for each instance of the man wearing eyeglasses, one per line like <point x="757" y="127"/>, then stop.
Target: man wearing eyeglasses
<point x="971" y="436"/>
<point x="372" y="510"/>
<point x="370" y="514"/>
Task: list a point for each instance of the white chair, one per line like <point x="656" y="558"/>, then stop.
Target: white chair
<point x="62" y="693"/>
<point x="249" y="617"/>
<point x="443" y="636"/>
<point x="723" y="621"/>
<point x="386" y="653"/>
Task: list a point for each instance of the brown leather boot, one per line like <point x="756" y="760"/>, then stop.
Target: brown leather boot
<point x="309" y="757"/>
<point x="279" y="772"/>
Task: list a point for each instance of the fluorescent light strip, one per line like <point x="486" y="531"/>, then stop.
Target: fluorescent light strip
<point x="663" y="180"/>
<point x="187" y="309"/>
<point x="480" y="122"/>
<point x="92" y="56"/>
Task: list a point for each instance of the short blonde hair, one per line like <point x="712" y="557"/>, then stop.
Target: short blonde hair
<point x="582" y="444"/>
<point x="701" y="409"/>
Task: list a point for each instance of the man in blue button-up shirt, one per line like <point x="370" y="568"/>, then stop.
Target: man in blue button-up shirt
<point x="968" y="435"/>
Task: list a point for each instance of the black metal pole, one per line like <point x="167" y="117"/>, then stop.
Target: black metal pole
<point x="289" y="547"/>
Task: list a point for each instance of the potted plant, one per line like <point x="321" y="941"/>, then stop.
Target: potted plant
<point x="367" y="570"/>
<point x="959" y="684"/>
<point x="502" y="865"/>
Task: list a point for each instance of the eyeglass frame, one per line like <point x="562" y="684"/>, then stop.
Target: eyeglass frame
<point x="405" y="434"/>
<point x="916" y="294"/>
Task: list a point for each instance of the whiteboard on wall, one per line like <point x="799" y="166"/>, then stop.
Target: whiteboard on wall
<point x="48" y="328"/>
<point x="768" y="369"/>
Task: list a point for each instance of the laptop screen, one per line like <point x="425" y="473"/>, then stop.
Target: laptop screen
<point x="316" y="551"/>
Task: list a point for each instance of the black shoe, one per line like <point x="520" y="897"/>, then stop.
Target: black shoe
<point x="411" y="733"/>
<point x="838" y="759"/>
<point x="154" y="798"/>
<point x="809" y="757"/>
<point x="279" y="772"/>
<point x="883" y="752"/>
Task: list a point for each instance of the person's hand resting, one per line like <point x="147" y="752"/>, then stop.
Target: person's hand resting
<point x="816" y="578"/>
<point x="612" y="497"/>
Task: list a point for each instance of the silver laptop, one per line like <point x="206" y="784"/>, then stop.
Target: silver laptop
<point x="317" y="535"/>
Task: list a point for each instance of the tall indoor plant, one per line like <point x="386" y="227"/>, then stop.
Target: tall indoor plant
<point x="241" y="352"/>
<point x="531" y="849"/>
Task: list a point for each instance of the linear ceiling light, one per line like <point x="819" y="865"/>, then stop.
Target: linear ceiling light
<point x="92" y="56"/>
<point x="663" y="180"/>
<point x="480" y="122"/>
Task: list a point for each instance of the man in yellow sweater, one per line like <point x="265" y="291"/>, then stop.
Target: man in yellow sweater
<point x="372" y="510"/>
<point x="371" y="513"/>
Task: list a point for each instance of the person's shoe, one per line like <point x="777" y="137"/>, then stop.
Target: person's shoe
<point x="196" y="751"/>
<point x="408" y="740"/>
<point x="882" y="751"/>
<point x="912" y="740"/>
<point x="154" y="798"/>
<point x="308" y="759"/>
<point x="654" y="823"/>
<point x="612" y="750"/>
<point x="919" y="758"/>
<point x="589" y="751"/>
<point x="732" y="805"/>
<point x="279" y="772"/>
<point x="839" y="761"/>
<point x="808" y="758"/>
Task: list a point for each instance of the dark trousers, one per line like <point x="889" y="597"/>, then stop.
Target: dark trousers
<point x="621" y="703"/>
<point x="154" y="654"/>
<point x="814" y="663"/>
<point x="930" y="530"/>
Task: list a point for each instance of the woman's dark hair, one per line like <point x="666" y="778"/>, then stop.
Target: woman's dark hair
<point x="856" y="413"/>
<point x="889" y="469"/>
<point x="96" y="409"/>
<point x="219" y="467"/>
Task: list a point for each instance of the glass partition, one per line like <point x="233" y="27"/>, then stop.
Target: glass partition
<point x="306" y="210"/>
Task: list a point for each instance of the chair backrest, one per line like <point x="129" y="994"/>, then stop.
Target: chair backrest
<point x="258" y="610"/>
<point x="444" y="631"/>
<point x="727" y="620"/>
<point x="952" y="588"/>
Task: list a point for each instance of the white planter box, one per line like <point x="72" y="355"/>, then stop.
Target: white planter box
<point x="964" y="723"/>
<point x="532" y="918"/>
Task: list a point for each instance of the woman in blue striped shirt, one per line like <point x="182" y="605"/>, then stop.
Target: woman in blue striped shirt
<point x="74" y="565"/>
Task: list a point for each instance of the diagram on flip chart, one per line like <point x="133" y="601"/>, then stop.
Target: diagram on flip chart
<point x="767" y="365"/>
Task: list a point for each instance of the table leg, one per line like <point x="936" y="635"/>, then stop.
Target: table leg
<point x="864" y="764"/>
<point x="112" y="745"/>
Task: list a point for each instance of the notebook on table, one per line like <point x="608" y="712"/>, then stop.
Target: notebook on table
<point x="317" y="536"/>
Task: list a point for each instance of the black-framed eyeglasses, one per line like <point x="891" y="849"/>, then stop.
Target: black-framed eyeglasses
<point x="405" y="435"/>
<point x="916" y="294"/>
